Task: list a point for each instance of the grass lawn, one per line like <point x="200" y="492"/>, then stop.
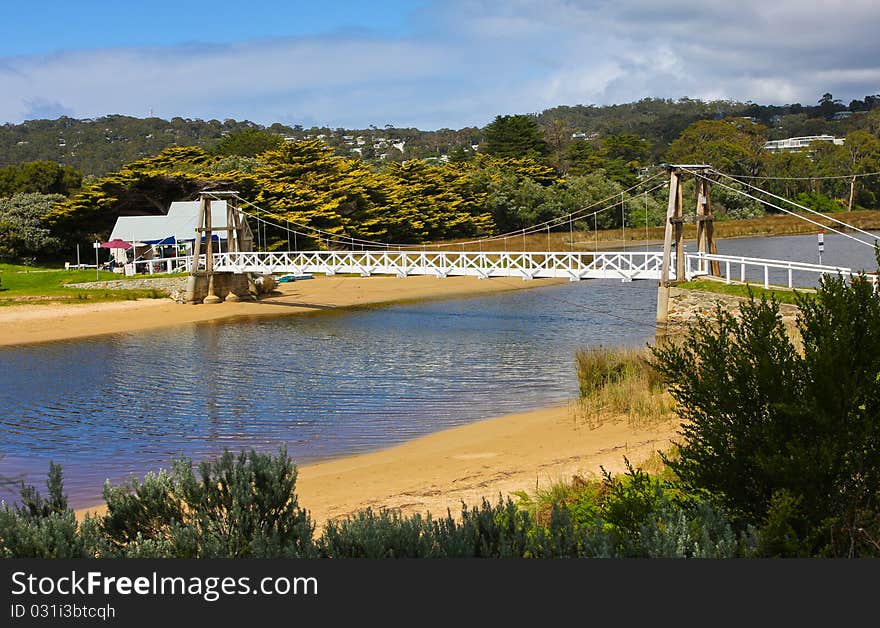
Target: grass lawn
<point x="20" y="285"/>
<point x="741" y="290"/>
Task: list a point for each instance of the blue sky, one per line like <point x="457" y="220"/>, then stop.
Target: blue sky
<point x="426" y="63"/>
<point x="41" y="27"/>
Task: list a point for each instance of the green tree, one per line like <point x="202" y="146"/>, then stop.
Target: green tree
<point x="791" y="167"/>
<point x="828" y="105"/>
<point x="558" y="138"/>
<point x="248" y="143"/>
<point x="619" y="156"/>
<point x="515" y="136"/>
<point x="24" y="231"/>
<point x="730" y="145"/>
<point x="146" y="186"/>
<point x="41" y="177"/>
<point x="859" y="154"/>
<point x="783" y="438"/>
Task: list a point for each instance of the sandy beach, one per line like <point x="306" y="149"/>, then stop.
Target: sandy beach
<point x="24" y="324"/>
<point x="485" y="459"/>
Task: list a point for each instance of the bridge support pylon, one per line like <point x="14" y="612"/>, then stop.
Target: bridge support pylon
<point x="674" y="234"/>
<point x="208" y="286"/>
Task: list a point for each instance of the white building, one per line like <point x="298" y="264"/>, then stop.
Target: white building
<point x="175" y="230"/>
<point x="798" y="144"/>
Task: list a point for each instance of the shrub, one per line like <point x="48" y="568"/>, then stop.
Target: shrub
<point x="236" y="506"/>
<point x="485" y="531"/>
<point x="761" y="418"/>
<point x="819" y="202"/>
<point x="244" y="506"/>
<point x="631" y="515"/>
<point x="377" y="535"/>
<point x="42" y="528"/>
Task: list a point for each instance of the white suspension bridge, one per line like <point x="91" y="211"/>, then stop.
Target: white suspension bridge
<point x="672" y="264"/>
<point x="622" y="265"/>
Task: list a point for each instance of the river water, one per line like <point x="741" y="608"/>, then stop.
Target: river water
<point x="325" y="384"/>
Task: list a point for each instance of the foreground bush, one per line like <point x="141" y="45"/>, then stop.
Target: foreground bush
<point x="246" y="506"/>
<point x="635" y="515"/>
<point x="42" y="528"/>
<point x="236" y="506"/>
<point x="786" y="440"/>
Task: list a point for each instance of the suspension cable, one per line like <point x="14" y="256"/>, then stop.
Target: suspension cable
<point x="782" y="209"/>
<point x="816" y="178"/>
<point x="798" y="205"/>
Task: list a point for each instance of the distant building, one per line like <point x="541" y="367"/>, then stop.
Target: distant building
<point x="799" y="144"/>
<point x="841" y="115"/>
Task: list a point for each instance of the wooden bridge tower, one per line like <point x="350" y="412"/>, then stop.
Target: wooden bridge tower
<point x="239" y="239"/>
<point x="674" y="235"/>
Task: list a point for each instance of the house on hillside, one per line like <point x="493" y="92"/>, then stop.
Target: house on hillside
<point x="799" y="144"/>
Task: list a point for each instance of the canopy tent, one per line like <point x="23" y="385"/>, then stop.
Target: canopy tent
<point x="179" y="225"/>
<point x="116" y="244"/>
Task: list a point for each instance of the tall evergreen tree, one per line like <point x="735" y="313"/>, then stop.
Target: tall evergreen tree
<point x="515" y="136"/>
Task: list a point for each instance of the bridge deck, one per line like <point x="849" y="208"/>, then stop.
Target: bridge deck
<point x="623" y="265"/>
<point x="626" y="266"/>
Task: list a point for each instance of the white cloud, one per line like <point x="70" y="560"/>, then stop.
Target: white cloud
<point x="468" y="61"/>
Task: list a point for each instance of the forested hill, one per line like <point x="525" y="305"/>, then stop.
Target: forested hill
<point x="661" y="121"/>
<point x="104" y="144"/>
<point x="97" y="146"/>
<point x="101" y="145"/>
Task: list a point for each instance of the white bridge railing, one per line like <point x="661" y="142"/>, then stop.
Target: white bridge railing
<point x="766" y="271"/>
<point x="164" y="265"/>
<point x="626" y="266"/>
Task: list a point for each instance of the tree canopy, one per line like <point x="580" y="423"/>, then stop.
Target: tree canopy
<point x="515" y="136"/>
<point x="248" y="143"/>
<point x="41" y="177"/>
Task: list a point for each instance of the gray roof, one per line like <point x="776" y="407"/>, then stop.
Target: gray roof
<point x="179" y="224"/>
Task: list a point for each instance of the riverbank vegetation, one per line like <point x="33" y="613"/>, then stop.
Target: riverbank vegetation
<point x="616" y="383"/>
<point x="779" y="455"/>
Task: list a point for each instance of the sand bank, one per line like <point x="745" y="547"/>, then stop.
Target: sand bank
<point x="484" y="459"/>
<point x="25" y="324"/>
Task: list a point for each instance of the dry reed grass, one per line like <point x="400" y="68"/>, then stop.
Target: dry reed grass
<point x="620" y="383"/>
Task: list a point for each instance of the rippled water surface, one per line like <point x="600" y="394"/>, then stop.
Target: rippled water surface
<point x="327" y="384"/>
